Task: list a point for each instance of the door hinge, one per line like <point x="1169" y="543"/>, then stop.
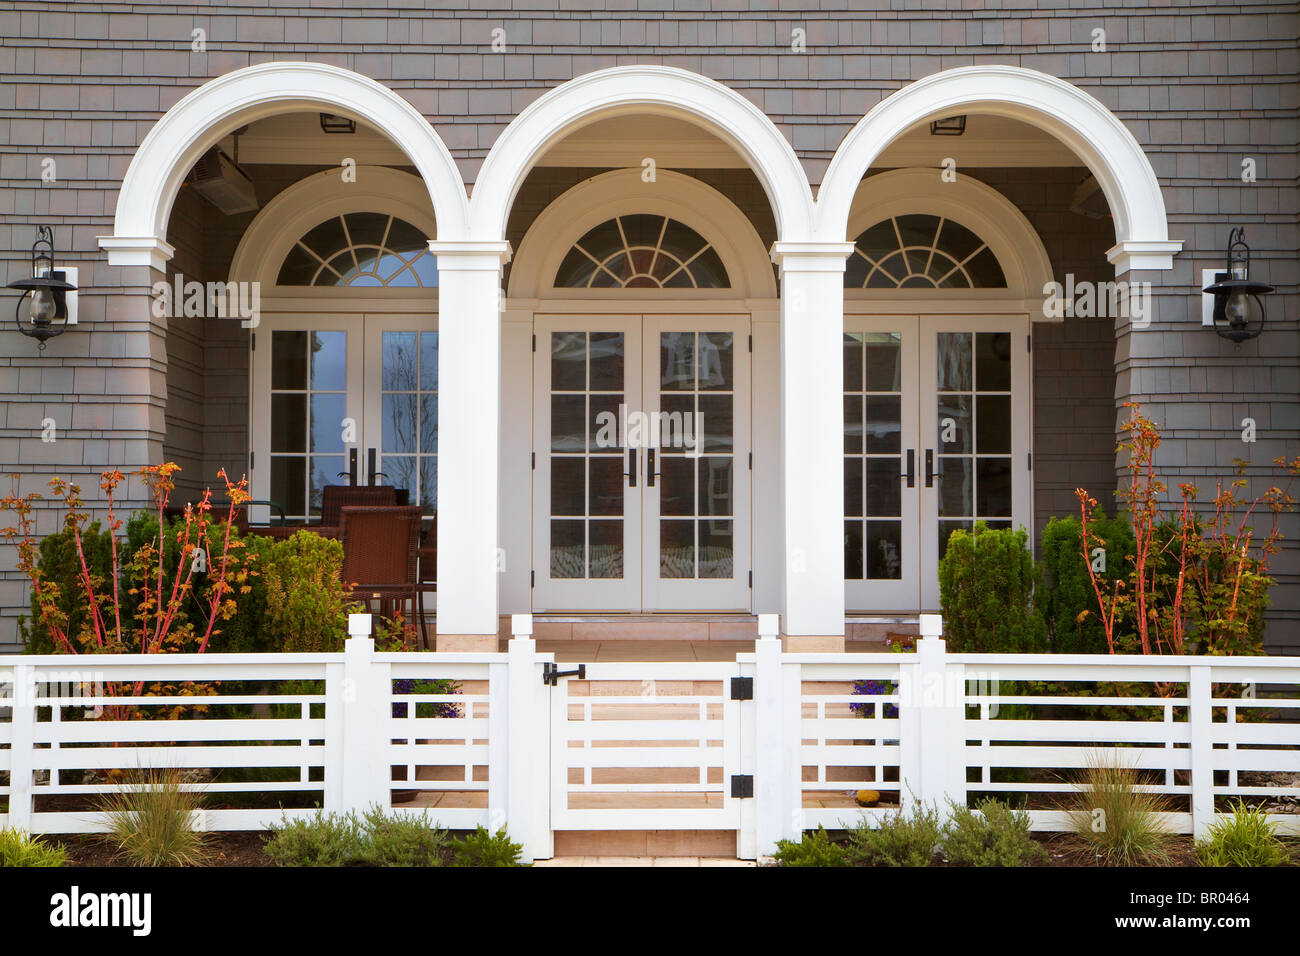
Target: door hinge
<point x="742" y="688"/>
<point x="251" y="459"/>
<point x="532" y="579"/>
<point x="534" y="461"/>
<point x="534" y="341"/>
<point x="751" y="579"/>
<point x="751" y="343"/>
<point x="1029" y="343"/>
<point x="252" y="336"/>
<point x="751" y="461"/>
<point x="1030" y="461"/>
<point x="742" y="786"/>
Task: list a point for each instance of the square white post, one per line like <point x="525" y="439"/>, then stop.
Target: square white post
<point x="1200" y="717"/>
<point x="22" y="746"/>
<point x="523" y="783"/>
<point x="812" y="441"/>
<point x="932" y="716"/>
<point x="365" y="697"/>
<point x="778" y="810"/>
<point x="469" y="400"/>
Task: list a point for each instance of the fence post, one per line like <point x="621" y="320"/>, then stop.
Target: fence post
<point x="22" y="747"/>
<point x="522" y="779"/>
<point x="367" y="709"/>
<point x="936" y="696"/>
<point x="1200" y="718"/>
<point x="778" y="812"/>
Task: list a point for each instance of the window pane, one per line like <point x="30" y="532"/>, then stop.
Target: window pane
<point x="568" y="553"/>
<point x="606" y="549"/>
<point x="884" y="550"/>
<point x="993" y="488"/>
<point x="327" y="414"/>
<point x="716" y="360"/>
<point x="605" y="496"/>
<point x="853" y="550"/>
<point x="568" y="423"/>
<point x="398" y="413"/>
<point x="367" y="228"/>
<point x="994" y="419"/>
<point x="329" y="361"/>
<point x="676" y="485"/>
<point x="884" y="362"/>
<point x="400" y="361"/>
<point x="883" y="427"/>
<point x="568" y="361"/>
<point x="401" y="471"/>
<point x="956" y="490"/>
<point x="677" y="549"/>
<point x="289" y="483"/>
<point x="324" y="471"/>
<point x="289" y="423"/>
<point x="428" y="485"/>
<point x="954" y="361"/>
<point x="717" y="549"/>
<point x="884" y="487"/>
<point x="853" y="487"/>
<point x="853" y="424"/>
<point x="676" y="360"/>
<point x="289" y="360"/>
<point x="606" y="361"/>
<point x="429" y="423"/>
<point x="568" y="486"/>
<point x="715" y="487"/>
<point x="954" y="424"/>
<point x="993" y="361"/>
<point x="429" y="361"/>
<point x="852" y="362"/>
<point x="716" y="422"/>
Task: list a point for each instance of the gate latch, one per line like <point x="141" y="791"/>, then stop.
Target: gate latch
<point x="551" y="673"/>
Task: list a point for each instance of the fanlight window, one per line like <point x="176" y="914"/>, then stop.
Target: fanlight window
<point x="361" y="249"/>
<point x="642" y="252"/>
<point x="922" y="252"/>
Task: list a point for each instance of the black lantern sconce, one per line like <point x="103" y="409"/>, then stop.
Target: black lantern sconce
<point x="45" y="293"/>
<point x="1236" y="297"/>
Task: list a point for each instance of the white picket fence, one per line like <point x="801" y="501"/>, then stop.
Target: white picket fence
<point x="767" y="746"/>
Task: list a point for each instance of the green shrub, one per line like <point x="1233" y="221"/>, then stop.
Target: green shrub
<point x="482" y="848"/>
<point x="987" y="584"/>
<point x="899" y="839"/>
<point x="151" y="820"/>
<point x="1247" y="838"/>
<point x="60" y="566"/>
<point x="1120" y="823"/>
<point x="22" y="849"/>
<point x="306" y="604"/>
<point x="814" y="849"/>
<point x="1069" y="603"/>
<point x="328" y="839"/>
<point x="995" y="836"/>
<point x="401" y="840"/>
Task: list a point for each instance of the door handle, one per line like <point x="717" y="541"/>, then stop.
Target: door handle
<point x="631" y="468"/>
<point x="551" y="673"/>
<point x="910" y="473"/>
<point x="650" y="467"/>
<point x="930" y="474"/>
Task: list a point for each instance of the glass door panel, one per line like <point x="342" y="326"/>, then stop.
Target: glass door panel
<point x="976" y="421"/>
<point x="696" y="510"/>
<point x="308" y="395"/>
<point x="586" y="490"/>
<point x="881" y="560"/>
<point x="402" y="405"/>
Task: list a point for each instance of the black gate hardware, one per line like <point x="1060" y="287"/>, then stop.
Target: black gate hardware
<point x="742" y="688"/>
<point x="742" y="785"/>
<point x="551" y="673"/>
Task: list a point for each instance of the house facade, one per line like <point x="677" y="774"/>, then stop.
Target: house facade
<point x="668" y="315"/>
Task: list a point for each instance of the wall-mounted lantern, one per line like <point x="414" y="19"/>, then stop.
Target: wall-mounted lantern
<point x="43" y="309"/>
<point x="1236" y="297"/>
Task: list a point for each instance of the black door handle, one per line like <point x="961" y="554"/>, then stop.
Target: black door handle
<point x="930" y="473"/>
<point x="910" y="473"/>
<point x="650" y="467"/>
<point x="631" y="468"/>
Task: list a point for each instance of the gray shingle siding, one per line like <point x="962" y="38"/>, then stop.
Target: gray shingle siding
<point x="1200" y="87"/>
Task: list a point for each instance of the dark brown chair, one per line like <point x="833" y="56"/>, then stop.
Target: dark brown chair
<point x="428" y="569"/>
<point x="380" y="556"/>
<point x="336" y="497"/>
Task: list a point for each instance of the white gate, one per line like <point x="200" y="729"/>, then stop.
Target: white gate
<point x="651" y="746"/>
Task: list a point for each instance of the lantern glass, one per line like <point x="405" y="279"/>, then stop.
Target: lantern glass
<point x="43" y="307"/>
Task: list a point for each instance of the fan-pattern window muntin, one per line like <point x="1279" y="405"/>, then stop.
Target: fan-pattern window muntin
<point x="362" y="249"/>
<point x="922" y="252"/>
<point x="642" y="252"/>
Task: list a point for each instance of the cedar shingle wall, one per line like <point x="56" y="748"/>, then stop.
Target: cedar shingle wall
<point x="1200" y="86"/>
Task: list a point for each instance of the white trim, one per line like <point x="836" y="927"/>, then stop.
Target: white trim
<point x="657" y="90"/>
<point x="1078" y="120"/>
<point x="290" y="215"/>
<point x="979" y="207"/>
<point x="623" y="192"/>
<point x="224" y="104"/>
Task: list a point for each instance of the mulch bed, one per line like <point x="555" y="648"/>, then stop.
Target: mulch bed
<point x="226" y="849"/>
<point x="1066" y="849"/>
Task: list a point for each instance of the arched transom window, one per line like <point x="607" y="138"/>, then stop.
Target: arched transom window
<point x="922" y="252"/>
<point x="642" y="252"/>
<point x="361" y="249"/>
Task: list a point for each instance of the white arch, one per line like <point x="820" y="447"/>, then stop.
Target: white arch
<point x="284" y="220"/>
<point x="1078" y="120"/>
<point x="623" y="192"/>
<point x="224" y="104"/>
<point x="642" y="89"/>
<point x="979" y="207"/>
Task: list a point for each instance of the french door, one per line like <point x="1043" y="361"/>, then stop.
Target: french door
<point x="327" y="385"/>
<point x="936" y="437"/>
<point x="641" y="482"/>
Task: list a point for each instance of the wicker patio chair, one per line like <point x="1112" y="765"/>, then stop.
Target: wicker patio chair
<point x="336" y="497"/>
<point x="428" y="571"/>
<point x="380" y="555"/>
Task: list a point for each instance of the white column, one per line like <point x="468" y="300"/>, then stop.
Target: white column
<point x="812" y="442"/>
<point x="469" y="405"/>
